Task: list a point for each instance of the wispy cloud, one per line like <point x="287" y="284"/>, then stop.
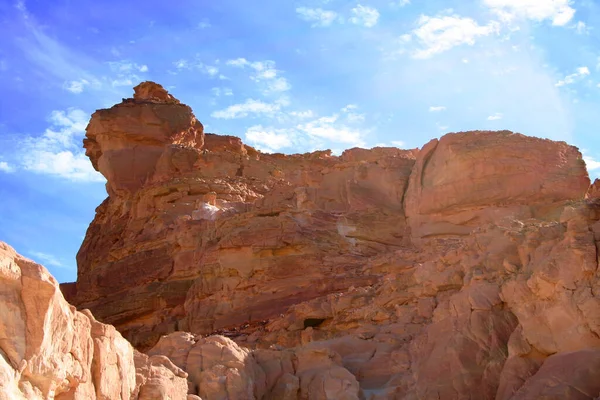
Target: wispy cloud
<point x="559" y="12"/>
<point x="58" y="151"/>
<point x="218" y="91"/>
<point x="302" y="114"/>
<point x="50" y="55"/>
<point x="495" y="117"/>
<point x="76" y="86"/>
<point x="438" y="34"/>
<point x="71" y="68"/>
<point x="365" y="16"/>
<point x="437" y="108"/>
<point x="305" y="129"/>
<point x="264" y="72"/>
<point x="350" y="114"/>
<point x="398" y="143"/>
<point x="249" y="107"/>
<point x="580" y="73"/>
<point x="318" y="16"/>
<point x="400" y="3"/>
<point x="6" y="167"/>
<point x="210" y="70"/>
<point x="269" y="139"/>
<point x="591" y="163"/>
<point x="581" y="28"/>
<point x="331" y="129"/>
<point x="46" y="259"/>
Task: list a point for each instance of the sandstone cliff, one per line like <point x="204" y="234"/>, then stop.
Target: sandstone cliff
<point x="48" y="350"/>
<point x="464" y="270"/>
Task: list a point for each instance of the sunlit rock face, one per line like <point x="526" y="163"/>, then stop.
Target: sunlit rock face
<point x="136" y="140"/>
<point x="466" y="269"/>
<point x="48" y="350"/>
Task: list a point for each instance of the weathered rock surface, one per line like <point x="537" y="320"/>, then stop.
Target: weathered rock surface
<point x="464" y="270"/>
<point x="48" y="350"/>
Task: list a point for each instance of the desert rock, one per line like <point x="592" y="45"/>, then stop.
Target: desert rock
<point x="49" y="350"/>
<point x="466" y="269"/>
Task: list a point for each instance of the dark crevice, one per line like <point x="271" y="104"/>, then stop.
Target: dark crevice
<point x="313" y="322"/>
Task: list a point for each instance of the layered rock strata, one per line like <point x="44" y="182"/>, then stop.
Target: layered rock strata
<point x="466" y="269"/>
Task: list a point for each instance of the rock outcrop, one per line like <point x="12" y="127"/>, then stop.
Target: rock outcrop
<point x="464" y="270"/>
<point x="48" y="350"/>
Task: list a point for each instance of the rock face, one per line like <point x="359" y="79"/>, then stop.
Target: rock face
<point x="464" y="270"/>
<point x="133" y="142"/>
<point x="49" y="350"/>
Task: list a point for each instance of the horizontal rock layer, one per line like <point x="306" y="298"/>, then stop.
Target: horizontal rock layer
<point x="467" y="268"/>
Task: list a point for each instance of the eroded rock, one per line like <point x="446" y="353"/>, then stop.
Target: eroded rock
<point x="462" y="270"/>
<point x="49" y="350"/>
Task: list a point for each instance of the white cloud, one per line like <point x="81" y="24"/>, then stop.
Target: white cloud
<point x="217" y="91"/>
<point x="591" y="163"/>
<point x="264" y="71"/>
<point x="46" y="259"/>
<point x="58" y="151"/>
<point x="126" y="73"/>
<point x="181" y="64"/>
<point x="6" y="167"/>
<point x="278" y="85"/>
<point x="495" y="117"/>
<point x="76" y="86"/>
<point x="302" y="114"/>
<point x="210" y="70"/>
<point x="398" y="143"/>
<point x="437" y="108"/>
<point x="319" y="16"/>
<point x="125" y="66"/>
<point x="353" y="117"/>
<point x="250" y="106"/>
<point x="581" y="28"/>
<point x="438" y="34"/>
<point x="572" y="78"/>
<point x="269" y="139"/>
<point x="365" y="16"/>
<point x="122" y="82"/>
<point x="559" y="11"/>
<point x="328" y="128"/>
<point x="401" y="3"/>
<point x="238" y="62"/>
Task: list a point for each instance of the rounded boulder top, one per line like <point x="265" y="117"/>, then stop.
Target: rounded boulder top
<point x="149" y="91"/>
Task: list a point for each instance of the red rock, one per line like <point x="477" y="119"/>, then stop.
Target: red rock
<point x="466" y="267"/>
<point x="126" y="141"/>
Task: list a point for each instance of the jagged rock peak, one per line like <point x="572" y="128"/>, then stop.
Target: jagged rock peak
<point x="153" y="92"/>
<point x="137" y="140"/>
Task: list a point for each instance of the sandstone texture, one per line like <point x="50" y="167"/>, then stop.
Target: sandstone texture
<point x="467" y="269"/>
<point x="48" y="350"/>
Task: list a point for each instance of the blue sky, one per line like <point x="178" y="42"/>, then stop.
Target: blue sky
<point x="287" y="76"/>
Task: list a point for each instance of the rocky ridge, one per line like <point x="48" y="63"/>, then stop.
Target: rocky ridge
<point x="466" y="269"/>
<point x="49" y="350"/>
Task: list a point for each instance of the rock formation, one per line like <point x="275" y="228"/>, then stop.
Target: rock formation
<point x="48" y="350"/>
<point x="464" y="270"/>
